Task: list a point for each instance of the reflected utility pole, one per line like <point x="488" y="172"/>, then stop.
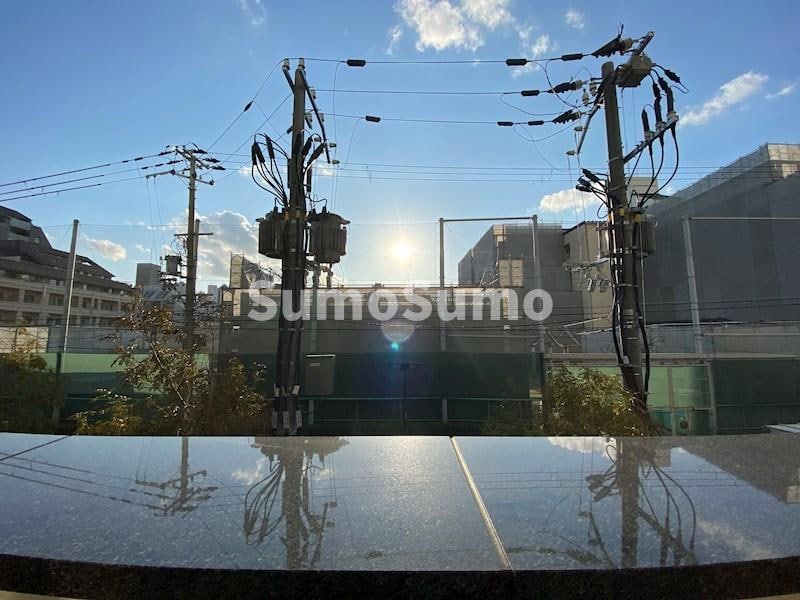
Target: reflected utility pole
<point x="187" y="496"/>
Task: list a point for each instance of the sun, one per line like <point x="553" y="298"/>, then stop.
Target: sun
<point x="402" y="251"/>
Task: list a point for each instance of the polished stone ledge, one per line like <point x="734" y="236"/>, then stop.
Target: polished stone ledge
<point x="103" y="517"/>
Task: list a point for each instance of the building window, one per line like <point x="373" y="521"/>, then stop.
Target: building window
<point x="32" y="298"/>
<point x="56" y="300"/>
<point x="566" y="252"/>
<point x="8" y="295"/>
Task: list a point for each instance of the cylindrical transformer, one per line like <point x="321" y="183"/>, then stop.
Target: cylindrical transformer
<point x="173" y="264"/>
<point x="328" y="236"/>
<point x="270" y="235"/>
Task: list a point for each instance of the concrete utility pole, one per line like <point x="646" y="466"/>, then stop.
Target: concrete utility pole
<point x="694" y="306"/>
<point x="69" y="283"/>
<point x="623" y="225"/>
<point x="192" y="156"/>
<point x="286" y="406"/>
<point x="191" y="257"/>
<point x="441" y="252"/>
<point x="537" y="280"/>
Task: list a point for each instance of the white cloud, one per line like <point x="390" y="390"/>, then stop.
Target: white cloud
<point x="575" y="19"/>
<point x="323" y="169"/>
<point x="540" y="46"/>
<point x="107" y="249"/>
<point x="142" y="249"/>
<point x="234" y="233"/>
<point x="565" y="200"/>
<point x="394" y="34"/>
<point x="254" y="11"/>
<point x="531" y="47"/>
<point x="490" y="13"/>
<point x="250" y="476"/>
<point x="745" y="546"/>
<point x="733" y="92"/>
<point x="784" y="91"/>
<point x="439" y="25"/>
<point x="583" y="445"/>
<point x="463" y="24"/>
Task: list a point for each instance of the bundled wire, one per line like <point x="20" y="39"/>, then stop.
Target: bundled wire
<point x="269" y="170"/>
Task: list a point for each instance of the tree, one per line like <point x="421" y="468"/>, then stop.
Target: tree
<point x="168" y="390"/>
<point x="589" y="402"/>
<point x="32" y="394"/>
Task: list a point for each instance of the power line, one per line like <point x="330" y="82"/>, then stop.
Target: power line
<point x="246" y="106"/>
<point x="75" y="180"/>
<point x="108" y="164"/>
<point x="573" y="115"/>
<point x="81" y="187"/>
<point x="419" y="92"/>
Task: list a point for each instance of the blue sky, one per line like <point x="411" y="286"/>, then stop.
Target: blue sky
<point x="90" y="82"/>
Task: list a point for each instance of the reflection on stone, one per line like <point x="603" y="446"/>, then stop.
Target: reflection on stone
<point x="179" y="494"/>
<point x="400" y="503"/>
<point x="290" y="462"/>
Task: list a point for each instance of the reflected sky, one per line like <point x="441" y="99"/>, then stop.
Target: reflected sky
<point x="322" y="503"/>
<point x="393" y="503"/>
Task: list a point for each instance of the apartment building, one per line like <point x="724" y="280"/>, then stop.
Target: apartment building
<point x="32" y="278"/>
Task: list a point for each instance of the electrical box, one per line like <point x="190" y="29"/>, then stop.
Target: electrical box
<point x="318" y="374"/>
<point x="270" y="235"/>
<point x="634" y="71"/>
<point x="173" y="264"/>
<point x="647" y="235"/>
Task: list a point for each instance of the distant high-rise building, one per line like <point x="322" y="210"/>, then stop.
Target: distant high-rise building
<point x="147" y="274"/>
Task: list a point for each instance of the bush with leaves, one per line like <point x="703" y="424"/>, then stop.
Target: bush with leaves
<point x="589" y="402"/>
<point x="31" y="393"/>
<point x="171" y="390"/>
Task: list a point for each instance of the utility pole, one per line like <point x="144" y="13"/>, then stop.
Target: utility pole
<point x="193" y="157"/>
<point x="69" y="283"/>
<point x="694" y="305"/>
<point x="622" y="229"/>
<point x="286" y="413"/>
<point x="191" y="257"/>
<point x="441" y="252"/>
<point x="537" y="282"/>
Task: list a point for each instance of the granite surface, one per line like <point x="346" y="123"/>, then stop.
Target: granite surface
<point x="396" y="516"/>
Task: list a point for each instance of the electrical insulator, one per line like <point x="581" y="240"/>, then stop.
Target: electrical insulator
<point x="270" y="235"/>
<point x="328" y="237"/>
